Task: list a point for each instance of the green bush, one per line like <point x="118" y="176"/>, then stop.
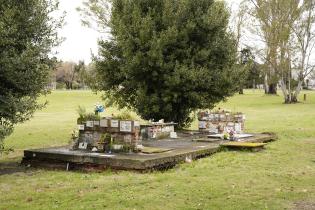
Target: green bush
<point x="60" y="86"/>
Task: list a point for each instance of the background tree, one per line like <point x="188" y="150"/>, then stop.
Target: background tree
<point x="304" y="32"/>
<point x="91" y="76"/>
<point x="287" y="28"/>
<point x="65" y="73"/>
<point x="71" y="74"/>
<point x="266" y="14"/>
<point x="247" y="68"/>
<point x="244" y="66"/>
<point x="27" y="34"/>
<point x="167" y="58"/>
<point x="255" y="75"/>
<point x="83" y="74"/>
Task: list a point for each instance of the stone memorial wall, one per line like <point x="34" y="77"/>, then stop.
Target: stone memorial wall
<point x="108" y="134"/>
<point x="217" y="122"/>
<point x="157" y="130"/>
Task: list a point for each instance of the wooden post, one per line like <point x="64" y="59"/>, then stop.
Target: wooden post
<point x="304" y="97"/>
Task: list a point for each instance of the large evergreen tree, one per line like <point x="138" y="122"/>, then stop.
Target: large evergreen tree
<point x="167" y="58"/>
<point x="27" y="34"/>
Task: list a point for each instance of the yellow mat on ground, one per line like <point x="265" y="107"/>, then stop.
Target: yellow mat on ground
<point x="243" y="144"/>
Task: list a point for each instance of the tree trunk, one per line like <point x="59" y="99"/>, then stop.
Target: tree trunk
<point x="272" y="89"/>
<point x="241" y="91"/>
<point x="67" y="85"/>
<point x="297" y="92"/>
<point x="266" y="84"/>
<point x="290" y="99"/>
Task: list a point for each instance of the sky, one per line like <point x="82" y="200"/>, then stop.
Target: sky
<point x="80" y="41"/>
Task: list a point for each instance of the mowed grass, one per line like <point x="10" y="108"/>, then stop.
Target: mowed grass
<point x="280" y="177"/>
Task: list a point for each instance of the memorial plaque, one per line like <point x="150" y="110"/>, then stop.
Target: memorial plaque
<point x="96" y="122"/>
<point x="83" y="145"/>
<point x="89" y="124"/>
<point x="114" y="123"/>
<point x="136" y="124"/>
<point x="81" y="127"/>
<point x="238" y="128"/>
<point x="104" y="123"/>
<point x="125" y="126"/>
<point x="202" y="124"/>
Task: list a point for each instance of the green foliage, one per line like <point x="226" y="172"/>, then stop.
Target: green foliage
<point x="92" y="116"/>
<point x="60" y="86"/>
<point x="125" y="115"/>
<point x="91" y="76"/>
<point x="250" y="73"/>
<point x="167" y="58"/>
<point x="105" y="138"/>
<point x="27" y="34"/>
<point x="255" y="75"/>
<point x="84" y="116"/>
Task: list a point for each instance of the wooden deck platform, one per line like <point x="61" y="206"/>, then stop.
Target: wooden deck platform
<point x="173" y="152"/>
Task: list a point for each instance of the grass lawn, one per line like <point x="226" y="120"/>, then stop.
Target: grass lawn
<point x="280" y="177"/>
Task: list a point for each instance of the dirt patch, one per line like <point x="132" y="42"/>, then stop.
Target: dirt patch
<point x="304" y="205"/>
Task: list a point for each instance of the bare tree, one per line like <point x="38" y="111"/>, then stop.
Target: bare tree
<point x="70" y="72"/>
<point x="267" y="15"/>
<point x="304" y="30"/>
<point x="287" y="29"/>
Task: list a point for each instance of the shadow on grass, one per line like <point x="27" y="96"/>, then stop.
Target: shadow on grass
<point x="13" y="167"/>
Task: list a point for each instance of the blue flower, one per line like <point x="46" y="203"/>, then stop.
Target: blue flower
<point x="99" y="108"/>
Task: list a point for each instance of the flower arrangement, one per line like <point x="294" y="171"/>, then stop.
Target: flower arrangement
<point x="98" y="108"/>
